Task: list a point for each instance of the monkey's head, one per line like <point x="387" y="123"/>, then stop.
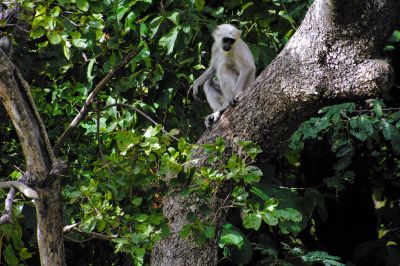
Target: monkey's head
<point x="226" y="35"/>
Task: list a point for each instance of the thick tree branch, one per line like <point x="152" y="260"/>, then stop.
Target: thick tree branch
<point x="23" y="113"/>
<point x="85" y="109"/>
<point x="41" y="165"/>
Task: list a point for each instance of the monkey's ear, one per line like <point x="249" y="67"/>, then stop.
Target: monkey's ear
<point x="239" y="33"/>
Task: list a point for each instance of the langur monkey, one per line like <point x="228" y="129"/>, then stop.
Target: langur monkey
<point x="233" y="65"/>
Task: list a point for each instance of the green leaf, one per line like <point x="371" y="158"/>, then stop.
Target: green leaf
<point x="174" y="17"/>
<point x="269" y="218"/>
<point x="377" y="107"/>
<point x="142" y="217"/>
<point x="323" y="257"/>
<point x="347" y="149"/>
<point x="261" y="194"/>
<point x="24" y="254"/>
<point x="66" y="50"/>
<point x="185" y="231"/>
<point x="395" y="36"/>
<point x="199" y="4"/>
<point x="286" y="16"/>
<point x="90" y="69"/>
<point x="9" y="256"/>
<point x="100" y="225"/>
<point x="231" y="236"/>
<point x="83" y="5"/>
<point x="37" y="33"/>
<point x="79" y="43"/>
<point x="137" y="201"/>
<point x="75" y="194"/>
<point x="294" y="215"/>
<point x="395" y="140"/>
<point x="168" y="40"/>
<point x="386" y="129"/>
<point x="361" y="127"/>
<point x="143" y="30"/>
<point x="154" y="25"/>
<point x="55" y="11"/>
<point x="209" y="232"/>
<point x="252" y="220"/>
<point x="121" y="12"/>
<point x="75" y="34"/>
<point x="54" y="37"/>
<point x="130" y="21"/>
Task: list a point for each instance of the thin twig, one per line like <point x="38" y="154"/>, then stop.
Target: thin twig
<point x="78" y="241"/>
<point x="370" y="111"/>
<point x="99" y="143"/>
<point x="15" y="25"/>
<point x="221" y="207"/>
<point x="140" y="112"/>
<point x="73" y="227"/>
<point x="85" y="109"/>
<point x="299" y="188"/>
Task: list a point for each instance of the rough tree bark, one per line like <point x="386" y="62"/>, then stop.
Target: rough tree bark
<point x="333" y="56"/>
<point x="42" y="169"/>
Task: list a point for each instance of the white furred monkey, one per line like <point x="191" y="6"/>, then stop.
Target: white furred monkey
<point x="233" y="65"/>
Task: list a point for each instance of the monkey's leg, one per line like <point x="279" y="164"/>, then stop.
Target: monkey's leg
<point x="215" y="99"/>
<point x="213" y="93"/>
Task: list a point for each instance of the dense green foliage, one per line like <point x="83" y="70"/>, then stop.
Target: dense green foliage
<point x="118" y="159"/>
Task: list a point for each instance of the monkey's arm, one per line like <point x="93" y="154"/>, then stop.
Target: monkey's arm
<point x="246" y="76"/>
<point x="208" y="74"/>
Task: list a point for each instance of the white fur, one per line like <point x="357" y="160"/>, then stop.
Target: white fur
<point x="234" y="70"/>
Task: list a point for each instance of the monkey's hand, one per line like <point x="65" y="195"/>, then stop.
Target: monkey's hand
<point x="195" y="87"/>
<point x="212" y="119"/>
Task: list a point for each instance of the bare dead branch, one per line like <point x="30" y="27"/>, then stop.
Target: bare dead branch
<point x="85" y="109"/>
<point x="24" y="189"/>
<point x="68" y="228"/>
<point x="6" y="217"/>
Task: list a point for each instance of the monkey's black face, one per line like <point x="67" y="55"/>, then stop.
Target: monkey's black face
<point x="227" y="44"/>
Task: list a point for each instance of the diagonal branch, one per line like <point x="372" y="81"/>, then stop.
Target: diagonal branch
<point x="73" y="227"/>
<point x="85" y="109"/>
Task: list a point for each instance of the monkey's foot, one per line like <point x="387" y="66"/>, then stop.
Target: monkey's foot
<point x="212" y="119"/>
<point x="234" y="101"/>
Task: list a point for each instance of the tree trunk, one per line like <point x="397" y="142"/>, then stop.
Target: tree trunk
<point x="332" y="57"/>
<point x="42" y="170"/>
